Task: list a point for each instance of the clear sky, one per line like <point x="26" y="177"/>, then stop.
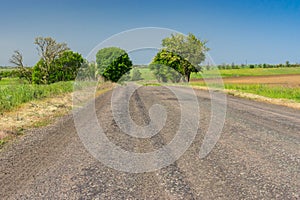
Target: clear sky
<point x="259" y="31"/>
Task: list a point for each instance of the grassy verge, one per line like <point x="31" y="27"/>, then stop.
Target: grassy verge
<point x="10" y="81"/>
<point x="276" y="92"/>
<point x="13" y="95"/>
<point x="267" y="91"/>
<point x="41" y="112"/>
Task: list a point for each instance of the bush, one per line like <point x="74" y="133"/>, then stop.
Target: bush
<point x="64" y="68"/>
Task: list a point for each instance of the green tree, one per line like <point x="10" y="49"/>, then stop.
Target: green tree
<point x="106" y="56"/>
<point x="113" y="63"/>
<point x="170" y="66"/>
<point x="39" y="75"/>
<point x="49" y="50"/>
<point x="119" y="67"/>
<point x="63" y="68"/>
<point x="188" y="47"/>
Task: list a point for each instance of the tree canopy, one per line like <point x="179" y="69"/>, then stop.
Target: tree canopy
<point x="189" y="47"/>
<point x="50" y="51"/>
<point x="170" y="66"/>
<point x="119" y="67"/>
<point x="113" y="63"/>
<point x="106" y="56"/>
<point x="63" y="68"/>
<point x="182" y="53"/>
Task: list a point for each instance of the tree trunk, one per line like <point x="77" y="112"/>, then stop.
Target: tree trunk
<point x="188" y="77"/>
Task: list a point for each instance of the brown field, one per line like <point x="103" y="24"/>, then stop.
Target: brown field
<point x="275" y="80"/>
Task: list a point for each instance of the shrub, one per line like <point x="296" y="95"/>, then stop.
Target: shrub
<point x="64" y="68"/>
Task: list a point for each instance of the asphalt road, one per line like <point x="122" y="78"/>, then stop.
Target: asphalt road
<point x="256" y="157"/>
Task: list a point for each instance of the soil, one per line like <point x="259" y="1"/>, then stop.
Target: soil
<point x="292" y="80"/>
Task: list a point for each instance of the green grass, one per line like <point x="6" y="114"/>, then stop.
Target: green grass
<point x="152" y="84"/>
<point x="14" y="95"/>
<point x="147" y="75"/>
<point x="276" y="92"/>
<point x="267" y="91"/>
<point x="10" y="81"/>
<point x="246" y="72"/>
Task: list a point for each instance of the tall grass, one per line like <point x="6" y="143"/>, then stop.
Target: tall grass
<point x="11" y="81"/>
<point x="268" y="91"/>
<point x="14" y="95"/>
<point x="265" y="90"/>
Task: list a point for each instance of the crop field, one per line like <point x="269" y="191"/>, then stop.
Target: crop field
<point x="148" y="75"/>
<point x="246" y="72"/>
<point x="289" y="81"/>
<point x="276" y="86"/>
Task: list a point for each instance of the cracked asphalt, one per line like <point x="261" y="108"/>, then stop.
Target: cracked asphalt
<point x="256" y="157"/>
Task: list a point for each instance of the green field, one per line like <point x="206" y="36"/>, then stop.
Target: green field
<point x="148" y="75"/>
<point x="246" y="72"/>
<point x="11" y="81"/>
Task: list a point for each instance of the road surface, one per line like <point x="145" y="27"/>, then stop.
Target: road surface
<point x="256" y="157"/>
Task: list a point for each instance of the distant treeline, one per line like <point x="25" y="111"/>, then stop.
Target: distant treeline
<point x="251" y="66"/>
<point x="8" y="72"/>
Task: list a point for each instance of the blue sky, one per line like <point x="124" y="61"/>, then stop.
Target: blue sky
<point x="256" y="31"/>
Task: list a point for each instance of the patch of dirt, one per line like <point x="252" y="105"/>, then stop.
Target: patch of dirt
<point x="292" y="80"/>
<point x="3" y="134"/>
<point x="29" y="113"/>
